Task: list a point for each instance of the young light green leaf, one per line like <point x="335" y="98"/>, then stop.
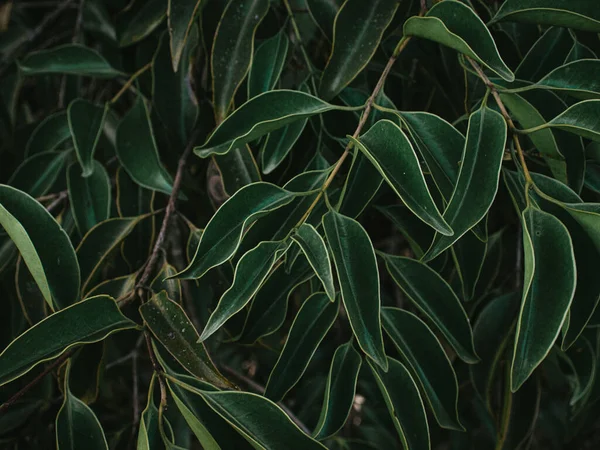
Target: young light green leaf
<point x="89" y="197"/>
<point x="169" y="323"/>
<point x="86" y="121"/>
<point x="70" y="59"/>
<point x="314" y="248"/>
<point x="478" y="178"/>
<point x="49" y="134"/>
<point x="267" y="64"/>
<point x="44" y="246"/>
<point x="313" y="321"/>
<point x="251" y="270"/>
<point x="180" y="15"/>
<point x="339" y="391"/>
<point x="435" y="298"/>
<point x="100" y="315"/>
<point x="260" y="115"/>
<point x="137" y="151"/>
<point x="76" y="424"/>
<point x="223" y="233"/>
<point x="455" y="25"/>
<point x="578" y="14"/>
<point x="38" y="173"/>
<point x="390" y="151"/>
<point x="405" y="405"/>
<point x="357" y="31"/>
<point x="358" y="276"/>
<point x="232" y="50"/>
<point x="548" y="288"/>
<point x="428" y="363"/>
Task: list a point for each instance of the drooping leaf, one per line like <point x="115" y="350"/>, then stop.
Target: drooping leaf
<point x="455" y="25"/>
<point x="548" y="288"/>
<point x="314" y="248"/>
<point x="251" y="270"/>
<point x="469" y="256"/>
<point x="260" y="115"/>
<point x="580" y="15"/>
<point x="237" y="168"/>
<point x="232" y="50"/>
<point x="404" y="404"/>
<point x="148" y="434"/>
<point x="313" y="321"/>
<point x="180" y="19"/>
<point x="478" y="178"/>
<point x="267" y="64"/>
<point x="418" y="234"/>
<point x="577" y="78"/>
<point x="33" y="303"/>
<point x="339" y="391"/>
<point x="169" y="323"/>
<point x="70" y="59"/>
<point x="38" y="173"/>
<point x="137" y="151"/>
<point x="138" y="22"/>
<point x="391" y="153"/>
<point x="223" y="233"/>
<point x="358" y="28"/>
<point x="44" y="246"/>
<point x="358" y="276"/>
<point x="49" y="134"/>
<point x="87" y="367"/>
<point x="90" y="196"/>
<point x="579" y="119"/>
<point x="323" y="12"/>
<point x="434" y="297"/>
<point x="548" y="52"/>
<point x="100" y="315"/>
<point x="362" y="183"/>
<point x="86" y="121"/>
<point x="279" y="144"/>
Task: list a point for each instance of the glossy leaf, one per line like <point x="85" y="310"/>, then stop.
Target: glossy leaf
<point x="548" y="52"/>
<point x="86" y="121"/>
<point x="49" y="134"/>
<point x="324" y="12"/>
<point x="314" y="248"/>
<point x="362" y="184"/>
<point x="148" y="434"/>
<point x="339" y="391"/>
<point x="101" y="316"/>
<point x="391" y="153"/>
<point x="482" y="160"/>
<point x="169" y="323"/>
<point x="180" y="20"/>
<point x="38" y="173"/>
<point x="357" y="30"/>
<point x="43" y="244"/>
<point x="237" y="169"/>
<point x="455" y="25"/>
<point x="356" y="267"/>
<point x="578" y="119"/>
<point x="313" y="321"/>
<point x="279" y="144"/>
<point x="137" y="150"/>
<point x="70" y="59"/>
<point x="267" y="64"/>
<point x="90" y="197"/>
<point x="232" y="50"/>
<point x="137" y="23"/>
<point x="434" y="298"/>
<point x="549" y="285"/>
<point x="577" y="78"/>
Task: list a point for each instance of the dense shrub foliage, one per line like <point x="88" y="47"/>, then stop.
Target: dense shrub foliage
<point x="298" y="224"/>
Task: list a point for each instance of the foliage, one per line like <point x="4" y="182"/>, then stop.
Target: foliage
<point x="299" y="224"/>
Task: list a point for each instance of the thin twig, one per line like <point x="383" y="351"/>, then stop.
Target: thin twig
<point x="59" y="199"/>
<point x="129" y="82"/>
<point x="78" y="22"/>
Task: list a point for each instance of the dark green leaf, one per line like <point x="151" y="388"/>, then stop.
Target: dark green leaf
<point x="418" y="235"/>
<point x="180" y="15"/>
<point x="90" y="197"/>
<point x="237" y="169"/>
<point x="138" y="22"/>
<point x="70" y="59"/>
<point x="148" y="434"/>
<point x="267" y="64"/>
<point x="578" y="78"/>
<point x="86" y="121"/>
<point x="323" y="12"/>
<point x="49" y="134"/>
<point x="362" y="183"/>
<point x="578" y="119"/>
<point x="469" y="255"/>
<point x="278" y="145"/>
<point x="38" y="173"/>
<point x="547" y="54"/>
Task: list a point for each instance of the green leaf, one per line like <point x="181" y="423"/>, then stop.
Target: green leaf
<point x="362" y="183"/>
<point x="267" y="65"/>
<point x="469" y="255"/>
<point x="30" y="297"/>
<point x="548" y="52"/>
<point x="251" y="270"/>
<point x="49" y="134"/>
<point x="148" y="434"/>
<point x="180" y="15"/>
<point x="223" y="233"/>
<point x="339" y="391"/>
<point x="358" y="29"/>
<point x="70" y="59"/>
<point x="86" y="121"/>
<point x="548" y="288"/>
<point x="404" y="404"/>
<point x="137" y="150"/>
<point x="428" y="363"/>
<point x="169" y="323"/>
<point x="260" y="115"/>
<point x="577" y="14"/>
<point x="455" y="25"/>
<point x="390" y="151"/>
<point x="100" y="315"/>
<point x="38" y="173"/>
<point x="87" y="367"/>
<point x="43" y="244"/>
<point x="323" y="13"/>
<point x="232" y="50"/>
<point x="313" y="246"/>
<point x="579" y="119"/>
<point x="435" y="298"/>
<point x="418" y="235"/>
<point x="76" y="424"/>
<point x="358" y="276"/>
<point x="134" y="24"/>
<point x="314" y="319"/>
<point x="248" y="413"/>
<point x="90" y="197"/>
<point x="278" y="145"/>
<point x="579" y="79"/>
<point x="478" y="178"/>
<point x="237" y="169"/>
